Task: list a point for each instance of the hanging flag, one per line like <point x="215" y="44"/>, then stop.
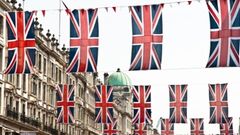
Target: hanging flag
<point x="178" y="103"/>
<point x="140" y="129"/>
<point x="114" y="9"/>
<point x="227" y="128"/>
<point x="147" y="37"/>
<point x="43" y="13"/>
<point x="83" y="41"/>
<point x="218" y="103"/>
<point x="21" y="42"/>
<point x="225" y="33"/>
<point x="197" y="126"/>
<point x="104" y="104"/>
<point x="141" y="104"/>
<point x="167" y="128"/>
<point x="65" y="103"/>
<point x="111" y="128"/>
<point x="189" y="2"/>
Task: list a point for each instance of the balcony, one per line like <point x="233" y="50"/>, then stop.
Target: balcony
<point x="30" y="121"/>
<point x="12" y="114"/>
<point x="22" y="118"/>
<point x="62" y="133"/>
<point x="50" y="130"/>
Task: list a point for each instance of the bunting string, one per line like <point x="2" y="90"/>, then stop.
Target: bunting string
<point x="115" y="7"/>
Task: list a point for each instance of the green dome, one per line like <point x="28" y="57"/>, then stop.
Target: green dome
<point x="119" y="79"/>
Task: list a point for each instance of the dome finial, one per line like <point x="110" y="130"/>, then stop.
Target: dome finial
<point x="118" y="70"/>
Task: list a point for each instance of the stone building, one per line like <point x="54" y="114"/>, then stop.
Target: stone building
<point x="27" y="101"/>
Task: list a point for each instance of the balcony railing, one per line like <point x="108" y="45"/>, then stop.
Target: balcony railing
<point x="12" y="114"/>
<point x="62" y="133"/>
<point x="50" y="130"/>
<point x="31" y="121"/>
<point x="22" y="118"/>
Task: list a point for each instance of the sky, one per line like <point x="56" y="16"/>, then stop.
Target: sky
<point x="186" y="45"/>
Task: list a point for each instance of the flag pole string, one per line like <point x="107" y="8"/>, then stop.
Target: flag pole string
<point x="164" y="3"/>
<point x="170" y="69"/>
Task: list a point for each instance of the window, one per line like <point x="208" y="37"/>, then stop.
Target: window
<point x="1" y="26"/>
<point x="67" y="79"/>
<point x="39" y="89"/>
<point x="17" y="106"/>
<point x="51" y="121"/>
<point x="39" y="115"/>
<point x="51" y="97"/>
<point x="79" y="90"/>
<point x="40" y="62"/>
<point x="11" y="102"/>
<point x="56" y="75"/>
<point x="34" y="86"/>
<point x="44" y="92"/>
<point x="0" y="96"/>
<point x="60" y="76"/>
<point x="44" y="66"/>
<point x="24" y="82"/>
<point x="1" y="58"/>
<point x="52" y="69"/>
<point x="87" y="97"/>
<point x="79" y="112"/>
<point x="34" y="112"/>
<point x="18" y="81"/>
<point x="47" y="95"/>
<point x="23" y="107"/>
<point x="10" y="78"/>
<point x="82" y="114"/>
<point x="44" y="119"/>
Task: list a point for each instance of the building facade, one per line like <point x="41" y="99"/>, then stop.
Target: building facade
<point x="27" y="101"/>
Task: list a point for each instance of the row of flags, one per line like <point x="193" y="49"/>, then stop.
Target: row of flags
<point x="147" y="38"/>
<point x="196" y="127"/>
<point x="167" y="128"/>
<point x="141" y="107"/>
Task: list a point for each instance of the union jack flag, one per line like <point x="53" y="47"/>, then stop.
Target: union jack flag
<point x="65" y="103"/>
<point x="140" y="129"/>
<point x="225" y="33"/>
<point x="83" y="41"/>
<point x="178" y="103"/>
<point x="147" y="37"/>
<point x="141" y="104"/>
<point x="111" y="128"/>
<point x="21" y="42"/>
<point x="167" y="128"/>
<point x="197" y="126"/>
<point x="227" y="128"/>
<point x="104" y="104"/>
<point x="218" y="103"/>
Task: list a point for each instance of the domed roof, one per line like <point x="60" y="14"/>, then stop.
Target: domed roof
<point x="119" y="79"/>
